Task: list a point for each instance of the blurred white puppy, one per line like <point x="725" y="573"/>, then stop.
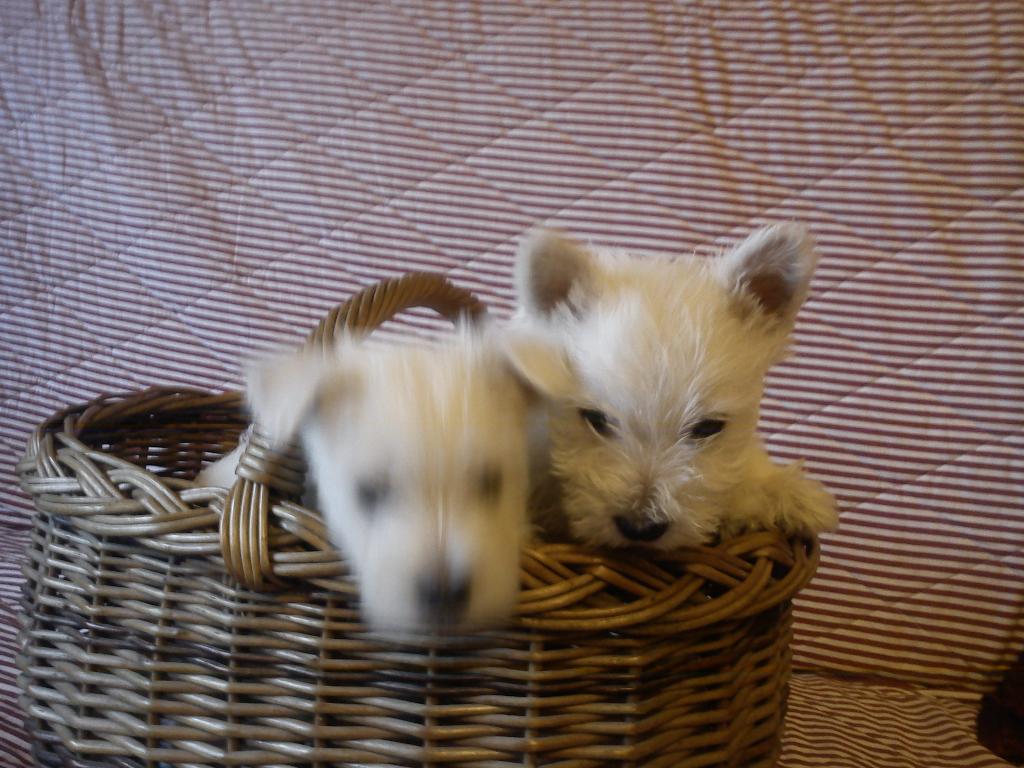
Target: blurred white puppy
<point x="660" y="447"/>
<point x="420" y="460"/>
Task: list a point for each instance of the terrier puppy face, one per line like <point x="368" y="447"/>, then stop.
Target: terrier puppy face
<point x="671" y="356"/>
<point x="419" y="455"/>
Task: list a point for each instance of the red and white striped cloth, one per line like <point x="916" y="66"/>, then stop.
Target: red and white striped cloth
<point x="183" y="183"/>
<point x="835" y="722"/>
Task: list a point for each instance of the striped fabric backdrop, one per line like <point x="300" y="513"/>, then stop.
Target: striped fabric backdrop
<point x="184" y="183"/>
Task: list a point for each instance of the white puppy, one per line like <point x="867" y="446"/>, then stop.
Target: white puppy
<point x="419" y="457"/>
<point x="661" y="446"/>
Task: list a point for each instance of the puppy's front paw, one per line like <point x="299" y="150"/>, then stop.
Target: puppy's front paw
<point x="784" y="498"/>
<point x="804" y="505"/>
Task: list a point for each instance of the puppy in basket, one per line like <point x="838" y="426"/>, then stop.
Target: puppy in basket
<point x="660" y="446"/>
<point x="419" y="456"/>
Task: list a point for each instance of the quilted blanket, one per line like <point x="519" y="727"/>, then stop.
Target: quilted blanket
<point x="183" y="183"/>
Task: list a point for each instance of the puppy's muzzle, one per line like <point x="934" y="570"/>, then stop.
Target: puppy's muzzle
<point x="641" y="529"/>
<point x="640" y="524"/>
<point x="444" y="597"/>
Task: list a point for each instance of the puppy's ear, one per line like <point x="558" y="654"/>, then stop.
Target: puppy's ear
<point x="552" y="271"/>
<point x="539" y="365"/>
<point x="283" y="391"/>
<point x="771" y="270"/>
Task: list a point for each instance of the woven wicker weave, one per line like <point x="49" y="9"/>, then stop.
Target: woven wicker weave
<point x="143" y="646"/>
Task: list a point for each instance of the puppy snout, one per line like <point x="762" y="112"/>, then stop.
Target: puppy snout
<point x="444" y="597"/>
<point x="642" y="528"/>
<point x="639" y="523"/>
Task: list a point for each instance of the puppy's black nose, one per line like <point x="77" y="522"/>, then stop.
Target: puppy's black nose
<point x="443" y="597"/>
<point x="643" y="529"/>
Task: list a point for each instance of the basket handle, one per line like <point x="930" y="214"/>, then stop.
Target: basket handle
<point x="265" y="472"/>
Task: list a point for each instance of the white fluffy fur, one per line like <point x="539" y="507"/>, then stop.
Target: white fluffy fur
<point x="658" y="345"/>
<point x="426" y="423"/>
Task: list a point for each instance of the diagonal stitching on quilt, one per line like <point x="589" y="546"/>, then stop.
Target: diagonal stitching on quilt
<point x="180" y="120"/>
<point x="919" y="477"/>
<point x="257" y="192"/>
<point x="889" y="369"/>
<point x="897" y="368"/>
<point x="95" y="355"/>
<point x="892" y="606"/>
<point x="16" y="125"/>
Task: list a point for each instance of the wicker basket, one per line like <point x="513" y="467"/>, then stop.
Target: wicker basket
<point x="167" y="624"/>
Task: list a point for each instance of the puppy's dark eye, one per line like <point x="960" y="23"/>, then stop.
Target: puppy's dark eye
<point x="489" y="483"/>
<point x="597" y="420"/>
<point x="371" y="492"/>
<point x="706" y="428"/>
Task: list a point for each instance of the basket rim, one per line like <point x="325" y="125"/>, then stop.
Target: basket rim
<point x="101" y="494"/>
